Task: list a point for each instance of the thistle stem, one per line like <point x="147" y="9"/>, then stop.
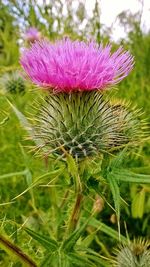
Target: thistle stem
<point x="75" y="213"/>
<point x="13" y="250"/>
<point x="76" y="208"/>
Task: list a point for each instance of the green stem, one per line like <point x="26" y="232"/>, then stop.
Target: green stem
<point x="77" y="206"/>
<point x="75" y="213"/>
<point x="13" y="250"/>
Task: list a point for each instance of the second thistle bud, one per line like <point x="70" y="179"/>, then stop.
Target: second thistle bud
<point x="136" y="254"/>
<point x="12" y="83"/>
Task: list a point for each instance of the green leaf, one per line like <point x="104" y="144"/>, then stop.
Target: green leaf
<point x="72" y="239"/>
<point x="88" y="240"/>
<point x="45" y="241"/>
<point x="117" y="162"/>
<point x="138" y="203"/>
<point x="115" y="192"/>
<point x="29" y="178"/>
<point x="80" y="260"/>
<point x="47" y="260"/>
<point x="73" y="170"/>
<point x="72" y="166"/>
<point x="131" y="177"/>
<point x="107" y="230"/>
<point x="57" y="258"/>
<point x="12" y="174"/>
<point x="98" y="260"/>
<point x="23" y="121"/>
<point x="52" y="175"/>
<point x="4" y="121"/>
<point x="95" y="257"/>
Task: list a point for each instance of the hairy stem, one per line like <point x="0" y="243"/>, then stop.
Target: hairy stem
<point x="77" y="207"/>
<point x="75" y="213"/>
<point x="13" y="250"/>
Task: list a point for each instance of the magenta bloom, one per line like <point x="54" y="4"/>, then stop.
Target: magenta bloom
<point x="68" y="66"/>
<point x="32" y="34"/>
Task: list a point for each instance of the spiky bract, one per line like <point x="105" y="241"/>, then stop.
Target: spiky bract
<point x="136" y="254"/>
<point x="83" y="124"/>
<point x="128" y="123"/>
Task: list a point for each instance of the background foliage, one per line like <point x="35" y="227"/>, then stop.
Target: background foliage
<point x="39" y="207"/>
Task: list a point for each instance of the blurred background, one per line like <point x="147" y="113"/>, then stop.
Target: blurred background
<point x="123" y="23"/>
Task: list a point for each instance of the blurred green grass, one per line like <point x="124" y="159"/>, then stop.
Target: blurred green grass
<point x="35" y="205"/>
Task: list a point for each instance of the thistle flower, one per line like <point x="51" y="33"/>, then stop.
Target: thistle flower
<point x="68" y="66"/>
<point x="32" y="34"/>
<point x="78" y="120"/>
<point x="135" y="254"/>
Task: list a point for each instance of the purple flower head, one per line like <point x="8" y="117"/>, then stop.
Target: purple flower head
<point x="68" y="66"/>
<point x="32" y="34"/>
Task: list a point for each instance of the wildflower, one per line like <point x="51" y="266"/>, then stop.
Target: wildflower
<point x="78" y="120"/>
<point x="32" y="34"/>
<point x="68" y="66"/>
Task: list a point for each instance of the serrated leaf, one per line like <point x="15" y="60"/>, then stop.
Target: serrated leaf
<point x="45" y="241"/>
<point x="57" y="258"/>
<point x="72" y="166"/>
<point x="73" y="170"/>
<point x="95" y="257"/>
<point x="47" y="260"/>
<point x="72" y="239"/>
<point x="117" y="162"/>
<point x="98" y="261"/>
<point x="80" y="260"/>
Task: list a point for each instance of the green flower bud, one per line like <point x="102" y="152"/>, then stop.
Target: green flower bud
<point x="136" y="254"/>
<point x="84" y="124"/>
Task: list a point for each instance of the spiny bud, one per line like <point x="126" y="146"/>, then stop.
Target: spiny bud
<point x="15" y="86"/>
<point x="129" y="123"/>
<point x="13" y="83"/>
<point x="135" y="254"/>
<point x="83" y="124"/>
